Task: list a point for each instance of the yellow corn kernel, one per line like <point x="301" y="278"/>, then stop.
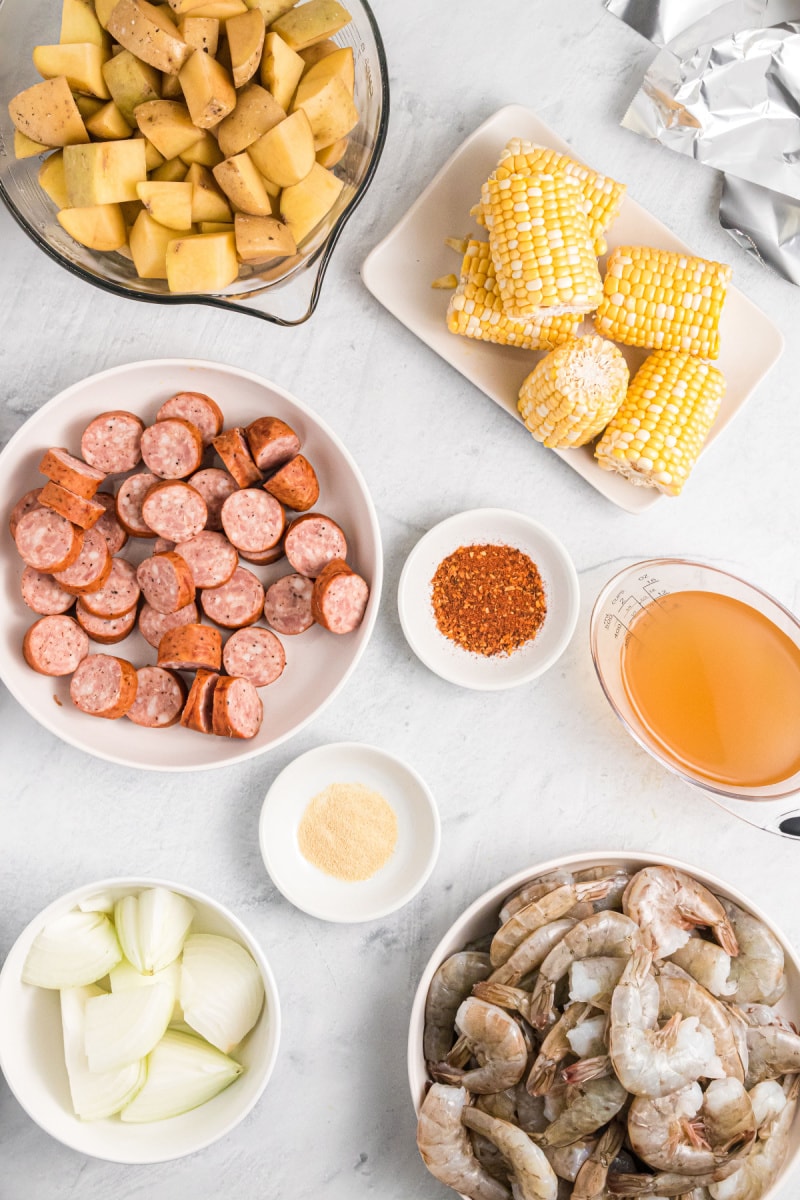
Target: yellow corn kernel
<point x="663" y="300"/>
<point x="541" y="248"/>
<point x="661" y="427"/>
<point x="445" y="283"/>
<point x="476" y="310"/>
<point x="572" y="394"/>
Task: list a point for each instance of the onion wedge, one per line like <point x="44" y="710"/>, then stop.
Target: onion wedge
<point x="182" y="1073"/>
<point x="152" y="927"/>
<point x="72" y="951"/>
<point x="94" y="1095"/>
<point x="125" y="976"/>
<point x="123" y="1027"/>
<point x="222" y="991"/>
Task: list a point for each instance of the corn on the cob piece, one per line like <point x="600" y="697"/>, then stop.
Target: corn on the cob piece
<point x="476" y="310"/>
<point x="663" y="300"/>
<point x="541" y="248"/>
<point x="572" y="394"/>
<point x="658" y="433"/>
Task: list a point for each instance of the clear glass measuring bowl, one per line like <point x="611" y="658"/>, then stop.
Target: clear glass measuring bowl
<point x="622" y="598"/>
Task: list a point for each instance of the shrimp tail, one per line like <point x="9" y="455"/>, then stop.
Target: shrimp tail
<point x="442" y="1072"/>
<point x="542" y="1003"/>
<point x="587" y="1068"/>
<point x="694" y="1132"/>
<point x="727" y="938"/>
<point x="541" y="1079"/>
<point x="631" y="1185"/>
<point x="459" y="1055"/>
<point x="496" y="993"/>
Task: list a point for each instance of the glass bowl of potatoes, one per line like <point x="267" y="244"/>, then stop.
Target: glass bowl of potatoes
<point x="200" y="151"/>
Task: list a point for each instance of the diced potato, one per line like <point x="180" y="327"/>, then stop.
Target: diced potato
<point x="330" y="110"/>
<point x="79" y="23"/>
<point x="222" y="10"/>
<point x="245" y="35"/>
<point x="47" y="113"/>
<point x="152" y="157"/>
<point x="311" y="22"/>
<point x="206" y="152"/>
<point x="168" y="126"/>
<point x="285" y="154"/>
<point x="208" y="90"/>
<point x="259" y="239"/>
<point x="100" y="226"/>
<point x="104" y="9"/>
<point x="201" y="32"/>
<point x="80" y="63"/>
<point x="184" y="6"/>
<point x="108" y="124"/>
<point x="104" y="172"/>
<point x="242" y="184"/>
<point x="305" y="204"/>
<point x="312" y="54"/>
<point x="171" y="87"/>
<point x="148" y="242"/>
<point x="333" y="154"/>
<point x="131" y="83"/>
<point x="281" y="69"/>
<point x="340" y="62"/>
<point x="208" y="202"/>
<point x="256" y="111"/>
<point x="25" y="147"/>
<point x="153" y="38"/>
<point x="168" y="203"/>
<point x="206" y="262"/>
<point x="88" y="106"/>
<point x="52" y="181"/>
<point x="216" y="227"/>
<point x="271" y="9"/>
<point x="172" y="171"/>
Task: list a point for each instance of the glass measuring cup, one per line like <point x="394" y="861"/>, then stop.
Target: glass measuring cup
<point x="622" y="599"/>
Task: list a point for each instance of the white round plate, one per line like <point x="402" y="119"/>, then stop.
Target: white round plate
<point x="32" y="1049"/>
<point x="488" y="526"/>
<point x="317" y="663"/>
<point x="321" y="895"/>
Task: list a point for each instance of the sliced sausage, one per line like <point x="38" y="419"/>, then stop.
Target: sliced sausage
<point x="41" y="593"/>
<point x="106" y="630"/>
<point x="76" y="476"/>
<point x="173" y="448"/>
<point x="267" y="557"/>
<point x="214" y="485"/>
<point x="162" y="545"/>
<point x="153" y="624"/>
<point x="272" y="442"/>
<point x="237" y="603"/>
<point x="253" y="521"/>
<point x="47" y="541"/>
<point x="196" y="408"/>
<point x="108" y="524"/>
<point x="287" y="604"/>
<point x="198" y="710"/>
<point x="132" y="492"/>
<point x="211" y="558"/>
<point x="91" y="568"/>
<point x="27" y="504"/>
<point x="339" y="599"/>
<point x="160" y="697"/>
<point x="111" y="442"/>
<point x="312" y="542"/>
<point x="84" y="513"/>
<point x="237" y="709"/>
<point x="166" y="582"/>
<point x="254" y="654"/>
<point x="295" y="484"/>
<point x="104" y="686"/>
<point x="174" y="510"/>
<point x="118" y="595"/>
<point x="232" y="448"/>
<point x="191" y="648"/>
<point x="55" y="645"/>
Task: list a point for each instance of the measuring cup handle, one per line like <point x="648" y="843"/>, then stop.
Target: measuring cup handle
<point x="773" y="816"/>
<point x="789" y="825"/>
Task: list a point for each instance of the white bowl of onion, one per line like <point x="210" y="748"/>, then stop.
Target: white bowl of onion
<point x="166" y="1049"/>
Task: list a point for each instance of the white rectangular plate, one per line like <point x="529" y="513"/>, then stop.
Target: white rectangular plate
<point x="400" y="269"/>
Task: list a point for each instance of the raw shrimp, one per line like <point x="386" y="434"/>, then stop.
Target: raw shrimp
<point x="516" y="999"/>
<point x="668" y="1183"/>
<point x="590" y="1182"/>
<point x="759" y="1170"/>
<point x="708" y="964"/>
<point x="757" y="973"/>
<point x="768" y="1100"/>
<point x="451" y="984"/>
<point x="680" y="994"/>
<point x="555" y="1048"/>
<point x="445" y="1147"/>
<point x="606" y="933"/>
<point x="588" y="1039"/>
<point x="530" y="1110"/>
<point x="690" y="1132"/>
<point x="499" y="1104"/>
<point x="530" y="1174"/>
<point x="667" y="904"/>
<point x="540" y="912"/>
<point x="651" y="1061"/>
<point x="593" y="980"/>
<point x="772" y="1044"/>
<point x="618" y="879"/>
<point x="533" y="890"/>
<point x="531" y="953"/>
<point x="567" y="1161"/>
<point x="494" y="1038"/>
<point x="589" y="1107"/>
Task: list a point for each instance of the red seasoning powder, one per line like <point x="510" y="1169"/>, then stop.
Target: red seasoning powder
<point x="488" y="599"/>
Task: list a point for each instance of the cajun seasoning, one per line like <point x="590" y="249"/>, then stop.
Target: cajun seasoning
<point x="488" y="599"/>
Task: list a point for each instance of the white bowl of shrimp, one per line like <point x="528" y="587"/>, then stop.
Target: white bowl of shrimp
<point x="660" y="992"/>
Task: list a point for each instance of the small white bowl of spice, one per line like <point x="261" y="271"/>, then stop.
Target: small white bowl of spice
<point x="349" y="832"/>
<point x="488" y="599"/>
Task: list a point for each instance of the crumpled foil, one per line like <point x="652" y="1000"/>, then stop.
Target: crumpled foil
<point x="725" y="90"/>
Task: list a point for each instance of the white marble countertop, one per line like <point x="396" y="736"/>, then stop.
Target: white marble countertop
<point x="519" y="776"/>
